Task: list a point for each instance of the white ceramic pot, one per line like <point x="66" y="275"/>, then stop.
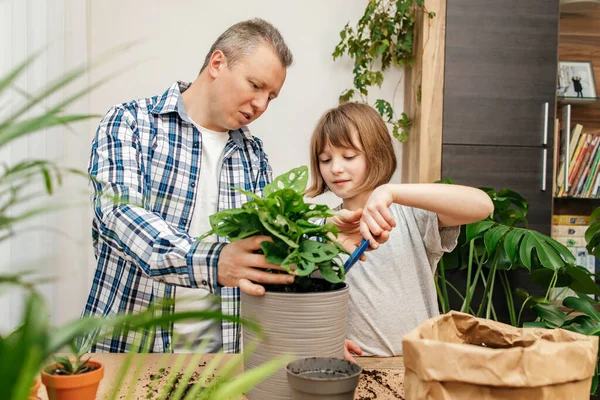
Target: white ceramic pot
<point x="303" y="324"/>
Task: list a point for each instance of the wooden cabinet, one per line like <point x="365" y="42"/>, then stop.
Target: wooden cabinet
<point x="519" y="168"/>
<point x="499" y="98"/>
<point x="500" y="71"/>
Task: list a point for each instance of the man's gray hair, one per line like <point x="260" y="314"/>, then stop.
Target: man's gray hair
<point x="241" y="39"/>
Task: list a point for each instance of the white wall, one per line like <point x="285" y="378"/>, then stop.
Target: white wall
<point x="176" y="35"/>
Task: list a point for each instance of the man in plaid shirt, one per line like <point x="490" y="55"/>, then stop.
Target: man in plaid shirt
<point x="160" y="167"/>
<point x="171" y="161"/>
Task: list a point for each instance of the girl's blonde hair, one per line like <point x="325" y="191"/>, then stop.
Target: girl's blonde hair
<point x="336" y="127"/>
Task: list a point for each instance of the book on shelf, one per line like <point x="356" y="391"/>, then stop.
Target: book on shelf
<point x="585" y="166"/>
<point x="570" y="219"/>
<point x="583" y="161"/>
<point x="564" y="158"/>
<point x="571" y="241"/>
<point x="569" y="230"/>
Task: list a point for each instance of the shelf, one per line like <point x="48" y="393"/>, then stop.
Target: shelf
<point x="575" y="198"/>
<point x="575" y="205"/>
<point x="578" y="100"/>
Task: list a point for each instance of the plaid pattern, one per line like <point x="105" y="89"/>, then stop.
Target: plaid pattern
<point x="147" y="154"/>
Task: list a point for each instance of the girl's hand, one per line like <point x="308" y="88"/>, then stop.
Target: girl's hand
<point x="351" y="348"/>
<point x="377" y="217"/>
<point x="350" y="235"/>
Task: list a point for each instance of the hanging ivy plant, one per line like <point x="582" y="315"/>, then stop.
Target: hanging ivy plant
<point x="384" y="33"/>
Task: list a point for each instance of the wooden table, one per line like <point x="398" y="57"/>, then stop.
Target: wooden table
<point x="381" y="378"/>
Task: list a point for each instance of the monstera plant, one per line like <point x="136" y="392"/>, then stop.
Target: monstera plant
<point x="586" y="318"/>
<point x="489" y="249"/>
<point x="297" y="316"/>
<point x="301" y="244"/>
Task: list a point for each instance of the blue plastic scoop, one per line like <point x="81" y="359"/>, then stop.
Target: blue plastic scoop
<point x="355" y="256"/>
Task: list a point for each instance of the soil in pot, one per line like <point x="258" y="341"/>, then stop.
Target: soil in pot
<point x="306" y="285"/>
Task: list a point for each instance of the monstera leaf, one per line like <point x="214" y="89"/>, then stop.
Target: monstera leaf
<point x="283" y="215"/>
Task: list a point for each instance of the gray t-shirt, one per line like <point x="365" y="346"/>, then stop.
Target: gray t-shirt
<point x="393" y="291"/>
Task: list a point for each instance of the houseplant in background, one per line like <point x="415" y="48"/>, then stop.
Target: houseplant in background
<point x="586" y="318"/>
<point x="26" y="350"/>
<point x="308" y="317"/>
<point x="382" y="38"/>
<point x="488" y="250"/>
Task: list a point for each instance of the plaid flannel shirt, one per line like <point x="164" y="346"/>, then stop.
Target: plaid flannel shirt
<point x="147" y="154"/>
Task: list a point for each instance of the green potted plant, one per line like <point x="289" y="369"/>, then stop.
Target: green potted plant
<point x="72" y="379"/>
<point x="383" y="37"/>
<point x="298" y="317"/>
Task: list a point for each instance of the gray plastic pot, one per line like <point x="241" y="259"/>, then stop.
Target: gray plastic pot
<point x="301" y="324"/>
<point x="323" y="378"/>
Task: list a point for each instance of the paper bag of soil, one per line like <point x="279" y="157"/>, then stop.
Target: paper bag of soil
<point x="458" y="356"/>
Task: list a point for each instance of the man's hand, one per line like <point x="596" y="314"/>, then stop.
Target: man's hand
<point x="240" y="266"/>
<point x="350" y="235"/>
<point x="351" y="348"/>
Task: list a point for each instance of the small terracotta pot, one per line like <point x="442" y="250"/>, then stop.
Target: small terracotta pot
<point x="74" y="387"/>
<point x="33" y="393"/>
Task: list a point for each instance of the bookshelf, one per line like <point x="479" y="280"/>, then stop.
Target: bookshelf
<point x="561" y="100"/>
<point x="577" y="142"/>
<point x="578" y="118"/>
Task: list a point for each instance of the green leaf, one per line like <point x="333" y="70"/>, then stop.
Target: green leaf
<point x="280" y="227"/>
<point x="346" y="96"/>
<point x="551" y="314"/>
<point x="511" y="243"/>
<point x="564" y="252"/>
<point x="525" y="251"/>
<point x="582" y="306"/>
<point x="242" y="383"/>
<point x="548" y="255"/>
<point x="581" y="280"/>
<point x="15" y="130"/>
<point x="275" y="252"/>
<point x="318" y="211"/>
<point x="592" y="234"/>
<point x="247" y="193"/>
<point x="9" y="78"/>
<point x="317" y="252"/>
<point x="543" y="277"/>
<point x="385" y="109"/>
<point x="291" y="203"/>
<point x="538" y="324"/>
<point x="295" y="179"/>
<point x="492" y="238"/>
<point x="301" y="267"/>
<point x="308" y="228"/>
<point x="332" y="272"/>
<point x="477" y="229"/>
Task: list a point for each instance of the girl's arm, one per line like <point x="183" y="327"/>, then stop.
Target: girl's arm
<point x="454" y="205"/>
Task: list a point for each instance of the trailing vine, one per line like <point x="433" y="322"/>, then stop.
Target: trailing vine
<point x="384" y="33"/>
